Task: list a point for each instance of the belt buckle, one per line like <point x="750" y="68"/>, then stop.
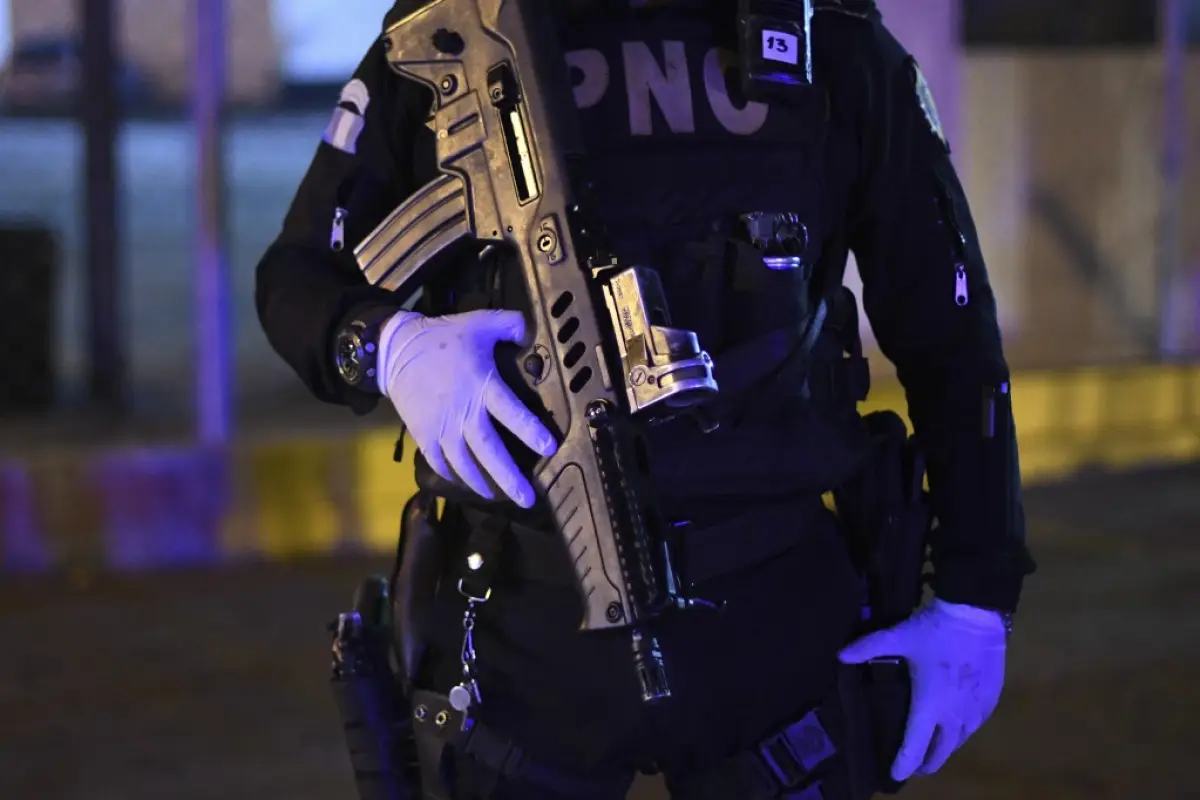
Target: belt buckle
<point x="782" y="762"/>
<point x="794" y="753"/>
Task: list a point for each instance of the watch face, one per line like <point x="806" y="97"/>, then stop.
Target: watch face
<point x="348" y="356"/>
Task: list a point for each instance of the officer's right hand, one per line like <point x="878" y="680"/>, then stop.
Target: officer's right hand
<point x="440" y="374"/>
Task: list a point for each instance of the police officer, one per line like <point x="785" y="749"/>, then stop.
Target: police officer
<point x="698" y="181"/>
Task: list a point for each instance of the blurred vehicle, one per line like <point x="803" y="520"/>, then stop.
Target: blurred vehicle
<point x="45" y="75"/>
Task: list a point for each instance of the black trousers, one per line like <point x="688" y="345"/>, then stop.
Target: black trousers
<point x="571" y="699"/>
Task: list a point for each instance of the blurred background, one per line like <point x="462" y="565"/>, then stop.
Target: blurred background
<point x="162" y="473"/>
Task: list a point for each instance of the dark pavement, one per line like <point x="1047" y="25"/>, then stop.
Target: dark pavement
<point x="192" y="686"/>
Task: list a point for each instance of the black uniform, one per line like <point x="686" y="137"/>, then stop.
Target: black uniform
<point x="678" y="155"/>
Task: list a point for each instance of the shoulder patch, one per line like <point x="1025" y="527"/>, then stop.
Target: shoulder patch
<point x="928" y="106"/>
<point x="347" y="122"/>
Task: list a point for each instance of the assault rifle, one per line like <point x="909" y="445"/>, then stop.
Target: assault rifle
<point x="603" y="356"/>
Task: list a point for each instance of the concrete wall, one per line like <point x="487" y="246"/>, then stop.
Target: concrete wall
<point x="1060" y="154"/>
<point x="155" y="35"/>
<point x="323" y="40"/>
<point x="1056" y="147"/>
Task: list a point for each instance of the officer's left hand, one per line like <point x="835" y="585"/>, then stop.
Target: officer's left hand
<point x="955" y="654"/>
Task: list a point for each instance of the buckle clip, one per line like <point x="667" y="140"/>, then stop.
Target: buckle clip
<point x="782" y="762"/>
<point x="792" y="754"/>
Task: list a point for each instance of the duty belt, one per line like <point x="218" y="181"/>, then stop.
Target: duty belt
<point x="701" y="551"/>
<point x="818" y="757"/>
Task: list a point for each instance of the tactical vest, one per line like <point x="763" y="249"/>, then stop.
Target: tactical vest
<point x="695" y="181"/>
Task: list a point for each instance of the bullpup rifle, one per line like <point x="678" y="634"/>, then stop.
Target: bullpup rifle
<point x="603" y="356"/>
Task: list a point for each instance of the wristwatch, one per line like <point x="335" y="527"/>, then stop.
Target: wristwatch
<point x="356" y="350"/>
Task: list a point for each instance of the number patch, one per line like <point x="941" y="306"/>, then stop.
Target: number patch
<point x="780" y="46"/>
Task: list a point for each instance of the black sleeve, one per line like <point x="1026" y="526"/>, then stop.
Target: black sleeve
<point x="927" y="295"/>
<point x="305" y="289"/>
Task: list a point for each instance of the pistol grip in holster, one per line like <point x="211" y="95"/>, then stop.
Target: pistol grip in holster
<point x="375" y="720"/>
<point x="887" y="518"/>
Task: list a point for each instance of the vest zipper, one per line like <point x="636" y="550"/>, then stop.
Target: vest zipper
<point x="337" y="233"/>
<point x="958" y="248"/>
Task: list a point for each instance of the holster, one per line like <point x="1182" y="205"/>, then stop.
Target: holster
<point x="375" y="714"/>
<point x="886" y="514"/>
<point x="420" y="561"/>
<point x="377" y="651"/>
<point x="420" y="565"/>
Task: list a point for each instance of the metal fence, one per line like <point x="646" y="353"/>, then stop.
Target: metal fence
<point x="1071" y="152"/>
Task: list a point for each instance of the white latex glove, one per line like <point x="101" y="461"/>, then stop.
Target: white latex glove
<point x="440" y="374"/>
<point x="955" y="654"/>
